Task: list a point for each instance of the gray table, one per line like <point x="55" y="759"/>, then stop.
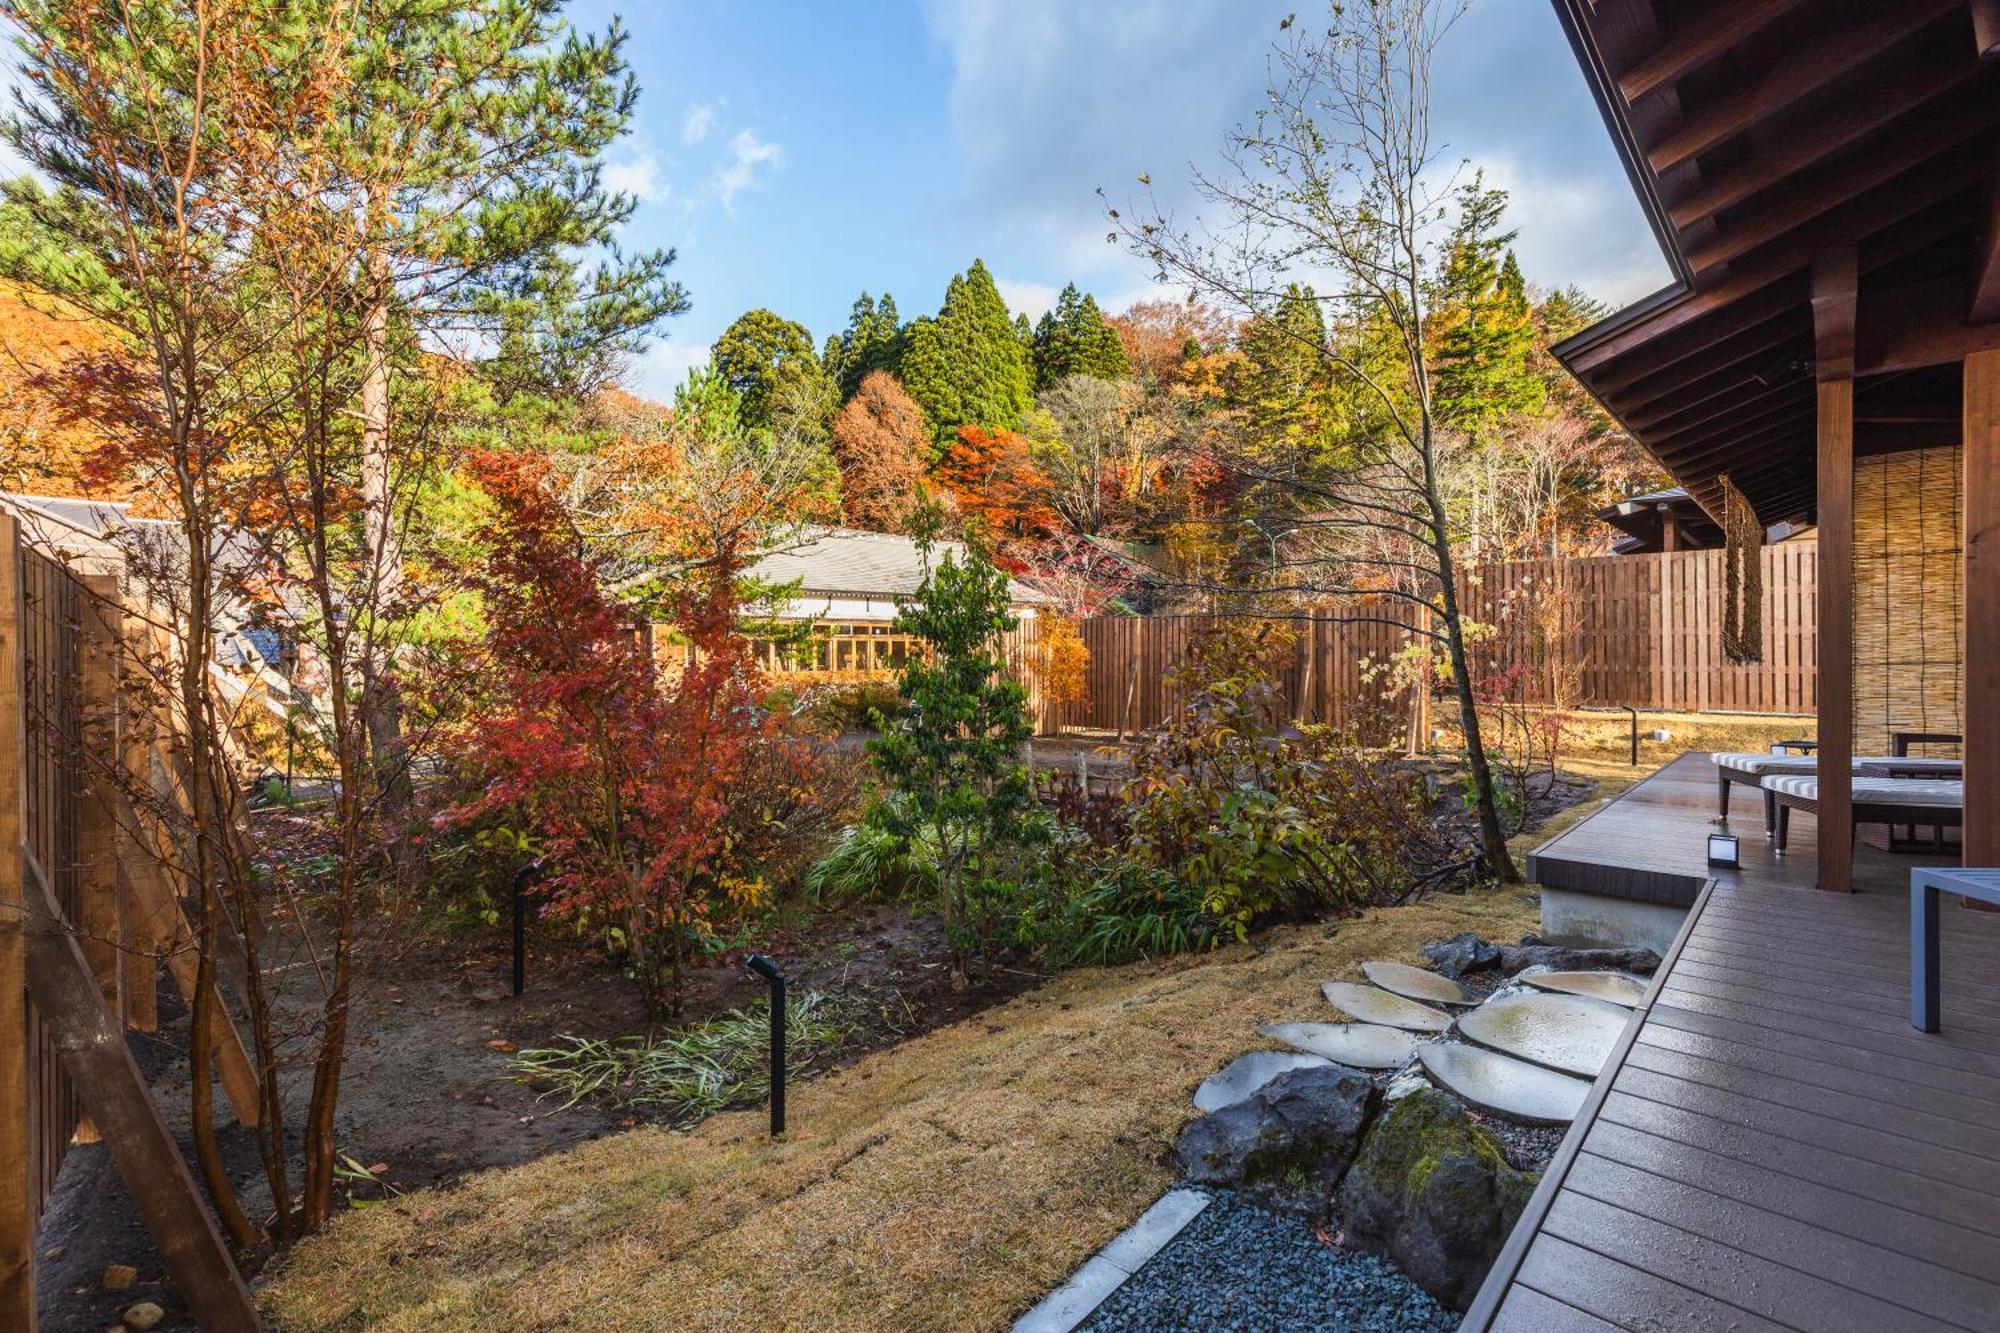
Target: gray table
<point x="1925" y="886"/>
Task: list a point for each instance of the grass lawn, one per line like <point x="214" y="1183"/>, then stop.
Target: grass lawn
<point x="946" y="1183"/>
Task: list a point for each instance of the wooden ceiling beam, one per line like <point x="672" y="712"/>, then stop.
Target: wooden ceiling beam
<point x="1873" y="106"/>
<point x="1689" y="441"/>
<point x="1745" y="393"/>
<point x="1701" y="40"/>
<point x="1917" y="325"/>
<point x="1736" y="439"/>
<point x="1984" y="307"/>
<point x="1756" y="342"/>
<point x="1839" y="49"/>
<point x="1845" y="205"/>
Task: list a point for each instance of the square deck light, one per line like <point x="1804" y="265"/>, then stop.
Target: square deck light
<point x="1722" y="849"/>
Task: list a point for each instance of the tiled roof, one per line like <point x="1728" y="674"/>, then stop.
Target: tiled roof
<point x="843" y="561"/>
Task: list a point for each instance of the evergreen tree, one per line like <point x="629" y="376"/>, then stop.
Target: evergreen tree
<point x="1482" y="324"/>
<point x="1074" y="339"/>
<point x="769" y="362"/>
<point x="872" y="341"/>
<point x="968" y="366"/>
<point x="1288" y="395"/>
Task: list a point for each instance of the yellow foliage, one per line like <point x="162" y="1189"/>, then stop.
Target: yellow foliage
<point x="1064" y="668"/>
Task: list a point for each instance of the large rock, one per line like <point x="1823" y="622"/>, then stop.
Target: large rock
<point x="1289" y="1143"/>
<point x="1434" y="1192"/>
<point x="1560" y="958"/>
<point x="1462" y="954"/>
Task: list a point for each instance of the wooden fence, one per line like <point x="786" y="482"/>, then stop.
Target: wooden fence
<point x="1602" y="631"/>
<point x="86" y="918"/>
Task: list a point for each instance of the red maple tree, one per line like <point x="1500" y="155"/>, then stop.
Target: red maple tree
<point x="620" y="766"/>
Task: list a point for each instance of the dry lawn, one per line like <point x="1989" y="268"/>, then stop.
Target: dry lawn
<point x="946" y="1183"/>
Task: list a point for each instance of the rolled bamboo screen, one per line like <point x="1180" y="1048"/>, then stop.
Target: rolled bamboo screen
<point x="1909" y="601"/>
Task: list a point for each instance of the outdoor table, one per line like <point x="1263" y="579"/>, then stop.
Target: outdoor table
<point x="1925" y="886"/>
<point x="1802" y="746"/>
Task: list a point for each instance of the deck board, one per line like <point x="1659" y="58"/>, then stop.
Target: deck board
<point x="1774" y="1146"/>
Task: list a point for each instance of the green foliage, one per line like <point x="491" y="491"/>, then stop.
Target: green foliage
<point x="1288" y="395"/>
<point x="872" y="861"/>
<point x="952" y="755"/>
<point x="967" y="366"/>
<point x="1479" y="303"/>
<point x="683" y="1077"/>
<point x="1073" y="339"/>
<point x="872" y="340"/>
<point x="770" y="364"/>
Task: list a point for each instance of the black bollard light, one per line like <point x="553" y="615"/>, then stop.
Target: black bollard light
<point x="523" y="877"/>
<point x="769" y="970"/>
<point x="1635" y="732"/>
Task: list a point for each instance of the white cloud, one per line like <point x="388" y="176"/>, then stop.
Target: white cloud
<point x="697" y="121"/>
<point x="1033" y="299"/>
<point x="1578" y="229"/>
<point x="639" y="177"/>
<point x="662" y="368"/>
<point x="747" y="153"/>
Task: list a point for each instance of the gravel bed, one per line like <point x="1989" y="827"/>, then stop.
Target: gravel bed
<point x="1238" y="1268"/>
<point x="1528" y="1147"/>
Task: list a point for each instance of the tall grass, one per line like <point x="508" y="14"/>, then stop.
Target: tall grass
<point x="690" y="1075"/>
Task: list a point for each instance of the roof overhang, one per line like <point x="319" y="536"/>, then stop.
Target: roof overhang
<point x="1759" y="134"/>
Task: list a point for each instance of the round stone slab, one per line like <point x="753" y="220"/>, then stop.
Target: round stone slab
<point x="1503" y="1085"/>
<point x="1415" y="984"/>
<point x="1372" y="1004"/>
<point x="1613" y="986"/>
<point x="1362" y="1045"/>
<point x="1242" y="1076"/>
<point x="1567" y="1032"/>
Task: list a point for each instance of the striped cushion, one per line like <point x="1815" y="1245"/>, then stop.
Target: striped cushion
<point x="1766" y="763"/>
<point x="1876" y="791"/>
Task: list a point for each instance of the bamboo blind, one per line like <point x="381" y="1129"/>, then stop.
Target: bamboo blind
<point x="1909" y="598"/>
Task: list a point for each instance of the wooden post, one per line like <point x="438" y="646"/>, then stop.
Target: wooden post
<point x="17" y="1185"/>
<point x="1835" y="283"/>
<point x="101" y="923"/>
<point x="1981" y="835"/>
<point x="92" y="1045"/>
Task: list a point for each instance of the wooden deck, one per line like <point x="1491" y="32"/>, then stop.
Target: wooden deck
<point x="1771" y="1145"/>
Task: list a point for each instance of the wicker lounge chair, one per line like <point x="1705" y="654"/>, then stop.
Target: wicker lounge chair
<point x="1933" y="803"/>
<point x="1753" y="767"/>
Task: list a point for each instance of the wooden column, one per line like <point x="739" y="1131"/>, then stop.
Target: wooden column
<point x="1982" y="609"/>
<point x="17" y="1184"/>
<point x="100" y="905"/>
<point x="1835" y="281"/>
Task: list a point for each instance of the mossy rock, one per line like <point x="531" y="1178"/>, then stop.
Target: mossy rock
<point x="1288" y="1144"/>
<point x="1434" y="1192"/>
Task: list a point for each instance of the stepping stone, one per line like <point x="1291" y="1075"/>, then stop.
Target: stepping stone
<point x="1414" y="983"/>
<point x="1372" y="1004"/>
<point x="1570" y="1033"/>
<point x="1360" y="1045"/>
<point x="1503" y="1085"/>
<point x="1241" y="1077"/>
<point x="1613" y="986"/>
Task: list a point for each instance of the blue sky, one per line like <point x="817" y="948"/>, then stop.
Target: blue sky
<point x="797" y="153"/>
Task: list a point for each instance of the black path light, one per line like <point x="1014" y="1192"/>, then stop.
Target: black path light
<point x="523" y="877"/>
<point x="771" y="972"/>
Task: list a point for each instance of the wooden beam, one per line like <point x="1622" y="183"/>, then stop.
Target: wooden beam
<point x="1679" y="414"/>
<point x="1838" y="49"/>
<point x="18" y="1202"/>
<point x="92" y="1045"/>
<point x="1790" y="208"/>
<point x="100" y="905"/>
<point x="1918" y="325"/>
<point x="1700" y="41"/>
<point x="1985" y="305"/>
<point x="1754" y="345"/>
<point x="1981" y="836"/>
<point x="1836" y="283"/>
<point x="1873" y="105"/>
<point x="1986" y="28"/>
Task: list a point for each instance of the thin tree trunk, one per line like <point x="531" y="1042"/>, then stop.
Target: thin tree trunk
<point x="1492" y="839"/>
<point x="382" y="701"/>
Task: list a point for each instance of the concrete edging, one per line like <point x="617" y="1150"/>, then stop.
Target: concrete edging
<point x="1107" y="1270"/>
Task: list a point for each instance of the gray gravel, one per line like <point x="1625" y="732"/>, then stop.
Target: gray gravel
<point x="1240" y="1269"/>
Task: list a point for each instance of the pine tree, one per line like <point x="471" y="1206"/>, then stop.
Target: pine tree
<point x="1482" y="324"/>
<point x="770" y="364"/>
<point x="1289" y="398"/>
<point x="872" y="341"/>
<point x="968" y="366"/>
<point x="1074" y="339"/>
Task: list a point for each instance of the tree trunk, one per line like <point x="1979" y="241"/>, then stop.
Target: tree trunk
<point x="1492" y="839"/>
<point x="381" y="697"/>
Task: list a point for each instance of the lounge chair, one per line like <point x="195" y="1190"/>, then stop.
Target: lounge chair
<point x="1754" y="767"/>
<point x="1935" y="803"/>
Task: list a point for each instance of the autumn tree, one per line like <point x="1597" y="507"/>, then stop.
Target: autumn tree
<point x="968" y="365"/>
<point x="1338" y="176"/>
<point x="1163" y="340"/>
<point x="992" y="478"/>
<point x="1093" y="455"/>
<point x="881" y="443"/>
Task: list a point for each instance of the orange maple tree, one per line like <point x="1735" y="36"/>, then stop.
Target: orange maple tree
<point x="994" y="480"/>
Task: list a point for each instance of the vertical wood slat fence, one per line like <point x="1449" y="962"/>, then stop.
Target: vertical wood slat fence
<point x="1643" y="630"/>
<point x="84" y="920"/>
